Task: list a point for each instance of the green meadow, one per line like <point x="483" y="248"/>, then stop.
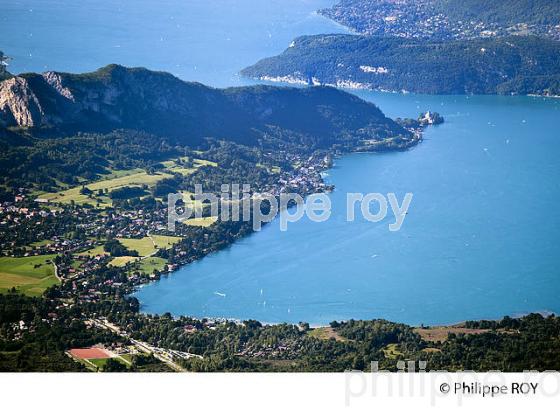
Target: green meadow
<point x="30" y="275"/>
<point x="148" y="245"/>
<point x="120" y="179"/>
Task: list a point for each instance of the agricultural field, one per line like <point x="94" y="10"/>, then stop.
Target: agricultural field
<point x="144" y="265"/>
<point x="203" y="222"/>
<point x="120" y="261"/>
<point x="38" y="244"/>
<point x="97" y="251"/>
<point x="30" y="275"/>
<point x="73" y="194"/>
<point x="162" y="241"/>
<point x="122" y="178"/>
<point x="148" y="245"/>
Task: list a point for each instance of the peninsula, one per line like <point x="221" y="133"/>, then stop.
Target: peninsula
<point x="505" y="65"/>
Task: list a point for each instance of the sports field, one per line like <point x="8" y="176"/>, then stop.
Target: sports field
<point x="90" y="353"/>
<point x="95" y="358"/>
<point x="30" y="275"/>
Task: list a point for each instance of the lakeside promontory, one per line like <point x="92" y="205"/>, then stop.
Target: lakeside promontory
<point x="506" y="65"/>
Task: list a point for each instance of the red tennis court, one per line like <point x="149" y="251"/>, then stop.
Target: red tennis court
<point x="90" y="353"/>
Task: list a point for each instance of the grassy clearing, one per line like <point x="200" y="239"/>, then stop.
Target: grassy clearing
<point x="174" y="166"/>
<point x="30" y="275"/>
<point x="122" y="178"/>
<point x="204" y="222"/>
<point x="97" y="251"/>
<point x="100" y="363"/>
<point x="441" y="333"/>
<point x="120" y="261"/>
<point x="138" y="178"/>
<point x="326" y="333"/>
<point x="144" y="246"/>
<point x="147" y="246"/>
<point x="143" y="265"/>
<point x="126" y="358"/>
<point x="163" y="241"/>
<point x="391" y="351"/>
<point x="191" y="203"/>
<point x="148" y="265"/>
<point x="204" y="162"/>
<point x="41" y="243"/>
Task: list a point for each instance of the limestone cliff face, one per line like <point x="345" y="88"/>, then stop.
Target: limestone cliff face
<point x="114" y="94"/>
<point x="52" y="99"/>
<point x="55" y="81"/>
<point x="19" y="105"/>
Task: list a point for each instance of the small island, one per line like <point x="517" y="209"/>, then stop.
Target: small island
<point x="430" y="118"/>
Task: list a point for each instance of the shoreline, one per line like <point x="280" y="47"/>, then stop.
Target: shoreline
<point x="544" y="313"/>
<point x="345" y="85"/>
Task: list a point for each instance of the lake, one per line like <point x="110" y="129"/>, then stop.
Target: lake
<point x="197" y="40"/>
<point x="481" y="239"/>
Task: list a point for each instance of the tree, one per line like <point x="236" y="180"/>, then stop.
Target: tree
<point x="334" y="324"/>
<point x="304" y="326"/>
<point x="114" y="365"/>
<point x="115" y="248"/>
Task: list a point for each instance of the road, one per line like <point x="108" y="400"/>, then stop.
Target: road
<point x="164" y="355"/>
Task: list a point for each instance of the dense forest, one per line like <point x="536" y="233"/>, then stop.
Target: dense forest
<point x="48" y="163"/>
<point x="116" y="97"/>
<point x="503" y="12"/>
<point x="509" y="65"/>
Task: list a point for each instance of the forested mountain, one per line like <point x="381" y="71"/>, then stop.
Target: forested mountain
<point x="116" y="97"/>
<point x="503" y="12"/>
<point x="448" y="19"/>
<point x="507" y="65"/>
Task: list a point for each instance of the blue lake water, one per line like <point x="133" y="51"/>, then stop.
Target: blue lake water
<point x="198" y="40"/>
<point x="481" y="238"/>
